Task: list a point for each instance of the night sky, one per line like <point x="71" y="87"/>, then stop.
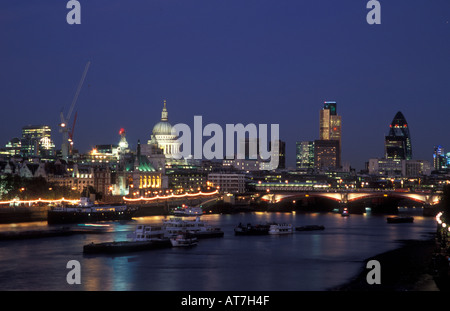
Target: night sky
<point x="230" y="61"/>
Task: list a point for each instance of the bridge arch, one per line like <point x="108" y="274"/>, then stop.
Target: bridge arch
<point x="345" y="197"/>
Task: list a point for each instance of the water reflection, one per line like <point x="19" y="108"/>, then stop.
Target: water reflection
<point x="314" y="260"/>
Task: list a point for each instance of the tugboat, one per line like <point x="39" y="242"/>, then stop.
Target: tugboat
<point x="251" y="230"/>
<point x="86" y="212"/>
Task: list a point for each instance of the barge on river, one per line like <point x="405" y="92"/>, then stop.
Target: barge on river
<point x="174" y="232"/>
<point x="87" y="211"/>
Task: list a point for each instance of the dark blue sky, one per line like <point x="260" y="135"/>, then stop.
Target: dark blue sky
<point x="231" y="61"/>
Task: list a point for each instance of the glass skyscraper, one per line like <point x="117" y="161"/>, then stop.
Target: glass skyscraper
<point x="330" y="130"/>
<point x="36" y="141"/>
<point x="305" y="154"/>
<point x="439" y="158"/>
<point x="398" y="142"/>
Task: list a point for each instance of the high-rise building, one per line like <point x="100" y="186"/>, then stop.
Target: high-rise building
<point x="398" y="142"/>
<point x="281" y="153"/>
<point x="14" y="146"/>
<point x="36" y="141"/>
<point x="327" y="154"/>
<point x="439" y="158"/>
<point x="305" y="154"/>
<point x="250" y="148"/>
<point x="330" y="124"/>
<point x="447" y="160"/>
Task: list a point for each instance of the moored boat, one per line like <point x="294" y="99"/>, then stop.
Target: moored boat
<point x="281" y="229"/>
<point x="197" y="227"/>
<point x="250" y="229"/>
<point x="173" y="226"/>
<point x="87" y="211"/>
<point x="207" y="232"/>
<point x="188" y="211"/>
<point x="183" y="240"/>
<point x="148" y="233"/>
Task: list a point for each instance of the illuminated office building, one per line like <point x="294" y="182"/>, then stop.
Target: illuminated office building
<point x="305" y="154"/>
<point x="280" y="153"/>
<point x="14" y="147"/>
<point x="439" y="158"/>
<point x="36" y="141"/>
<point x="330" y="123"/>
<point x="328" y="153"/>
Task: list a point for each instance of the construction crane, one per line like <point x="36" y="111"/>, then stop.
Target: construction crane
<point x="71" y="134"/>
<point x="64" y="125"/>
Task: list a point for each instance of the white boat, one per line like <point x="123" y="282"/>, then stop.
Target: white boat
<point x="281" y="229"/>
<point x="183" y="240"/>
<point x="188" y="211"/>
<point x="149" y="233"/>
<point x="174" y="226"/>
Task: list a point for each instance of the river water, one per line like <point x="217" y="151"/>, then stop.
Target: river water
<point x="303" y="261"/>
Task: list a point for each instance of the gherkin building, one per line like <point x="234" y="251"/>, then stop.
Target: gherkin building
<point x="398" y="142"/>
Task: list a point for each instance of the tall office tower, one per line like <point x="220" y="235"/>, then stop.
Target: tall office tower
<point x="250" y="148"/>
<point x="327" y="154"/>
<point x="330" y="122"/>
<point x="281" y="153"/>
<point x="398" y="142"/>
<point x="439" y="158"/>
<point x="330" y="126"/>
<point x="305" y="154"/>
<point x="36" y="141"/>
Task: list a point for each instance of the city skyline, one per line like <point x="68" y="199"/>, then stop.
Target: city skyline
<point x="323" y="131"/>
<point x="259" y="62"/>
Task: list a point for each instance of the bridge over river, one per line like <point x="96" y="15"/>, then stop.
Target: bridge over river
<point x="276" y="193"/>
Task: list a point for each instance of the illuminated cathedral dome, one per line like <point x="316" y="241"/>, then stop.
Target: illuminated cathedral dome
<point x="163" y="127"/>
<point x="163" y="135"/>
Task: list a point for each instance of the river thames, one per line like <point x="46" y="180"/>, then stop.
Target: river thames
<point x="302" y="261"/>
